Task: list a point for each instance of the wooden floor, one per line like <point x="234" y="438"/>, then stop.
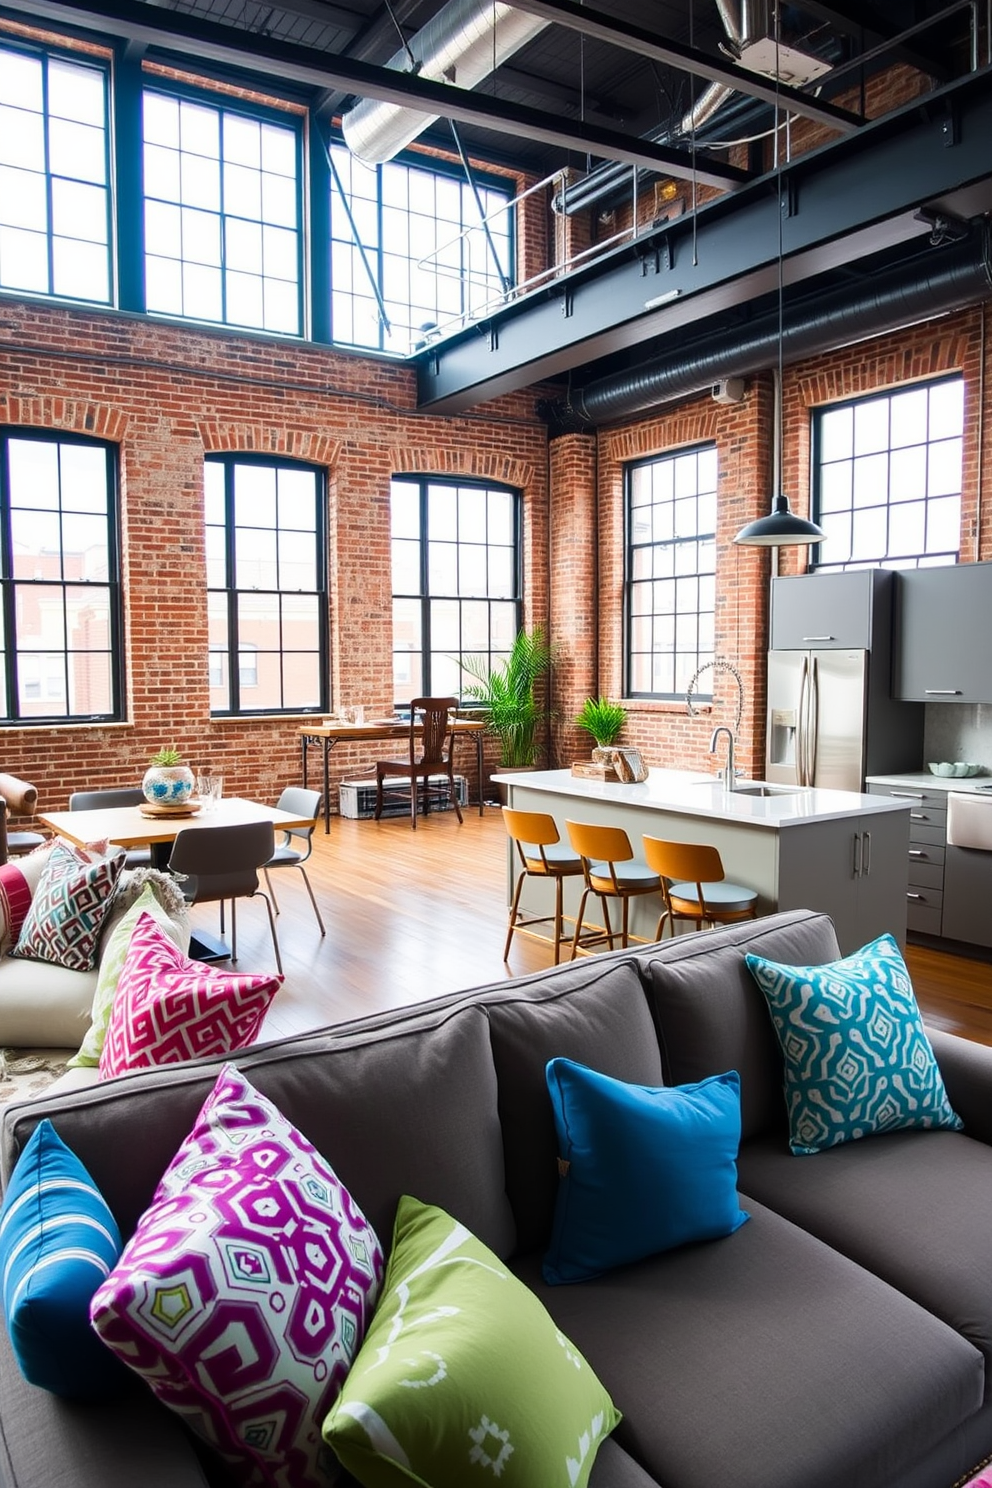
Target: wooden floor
<point x="411" y="915"/>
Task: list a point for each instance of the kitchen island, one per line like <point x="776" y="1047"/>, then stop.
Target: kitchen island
<point x="798" y="847"/>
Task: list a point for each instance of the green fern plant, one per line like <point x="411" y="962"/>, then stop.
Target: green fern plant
<point x="603" y="719"/>
<point x="509" y="692"/>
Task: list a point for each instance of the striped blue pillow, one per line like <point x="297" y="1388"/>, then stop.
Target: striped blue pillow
<point x="58" y="1242"/>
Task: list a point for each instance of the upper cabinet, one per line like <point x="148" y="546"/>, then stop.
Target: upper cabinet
<point x="943" y="629"/>
<point x="830" y="611"/>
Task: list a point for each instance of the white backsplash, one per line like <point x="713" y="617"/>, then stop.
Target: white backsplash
<point x="958" y="731"/>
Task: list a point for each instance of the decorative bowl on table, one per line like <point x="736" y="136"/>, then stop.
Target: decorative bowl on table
<point x="957" y="768"/>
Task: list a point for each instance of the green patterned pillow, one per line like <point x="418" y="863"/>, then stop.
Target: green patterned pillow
<point x="857" y="1057"/>
<point x="112" y="964"/>
<point x="463" y="1376"/>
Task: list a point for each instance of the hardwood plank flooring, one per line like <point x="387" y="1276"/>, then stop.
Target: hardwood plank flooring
<point x="411" y="915"/>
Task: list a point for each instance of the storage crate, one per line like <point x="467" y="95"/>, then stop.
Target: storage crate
<point x="357" y="797"/>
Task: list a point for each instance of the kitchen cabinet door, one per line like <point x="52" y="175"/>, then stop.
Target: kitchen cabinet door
<point x="943" y="624"/>
<point x="830" y="611"/>
<point x="853" y="868"/>
<point x="967" y="896"/>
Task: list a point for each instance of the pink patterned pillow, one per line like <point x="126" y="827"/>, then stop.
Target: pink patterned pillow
<point x="15" y="901"/>
<point x="168" y="1008"/>
<point x="245" y="1292"/>
<point x="69" y="906"/>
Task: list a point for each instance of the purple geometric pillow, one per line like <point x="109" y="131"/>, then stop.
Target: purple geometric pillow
<point x="244" y="1294"/>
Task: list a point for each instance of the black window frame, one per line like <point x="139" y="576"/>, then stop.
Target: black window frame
<point x="231" y="654"/>
<point x="9" y="584"/>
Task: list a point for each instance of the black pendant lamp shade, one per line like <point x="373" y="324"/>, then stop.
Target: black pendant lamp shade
<point x="781" y="528"/>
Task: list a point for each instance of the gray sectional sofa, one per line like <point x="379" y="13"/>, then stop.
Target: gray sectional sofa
<point x="842" y="1338"/>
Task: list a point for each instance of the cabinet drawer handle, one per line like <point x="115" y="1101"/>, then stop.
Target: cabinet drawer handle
<point x="918" y="816"/>
<point x="942" y="691"/>
<point x="819" y="638"/>
<point x="914" y="896"/>
<point x="867" y="853"/>
<point x="917" y="852"/>
<point x="910" y="795"/>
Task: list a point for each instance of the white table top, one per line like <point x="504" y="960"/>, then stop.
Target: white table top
<point x="126" y="826"/>
<point x="702" y="795"/>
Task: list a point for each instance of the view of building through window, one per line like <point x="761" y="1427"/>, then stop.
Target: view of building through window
<point x="887" y="478"/>
<point x="456" y="581"/>
<point x="61" y="596"/>
<point x="267" y="585"/>
<point x="671" y="568"/>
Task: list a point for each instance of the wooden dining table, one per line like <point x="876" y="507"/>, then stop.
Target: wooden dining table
<point x="327" y="735"/>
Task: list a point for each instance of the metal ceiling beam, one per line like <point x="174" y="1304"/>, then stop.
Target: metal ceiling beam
<point x="843" y="202"/>
<point x="868" y="28"/>
<point x="687" y="59"/>
<point x="274" y="58"/>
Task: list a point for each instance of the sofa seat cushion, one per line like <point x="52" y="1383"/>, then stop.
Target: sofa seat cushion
<point x="595" y="1013"/>
<point x="914" y="1208"/>
<point x="43" y="1006"/>
<point x="817" y="1372"/>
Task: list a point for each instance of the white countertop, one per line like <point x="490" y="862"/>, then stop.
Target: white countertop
<point x="702" y="795"/>
<point x="922" y="780"/>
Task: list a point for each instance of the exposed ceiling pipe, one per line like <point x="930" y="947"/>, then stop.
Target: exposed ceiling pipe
<point x="743" y="22"/>
<point x="462" y="44"/>
<point x="945" y="279"/>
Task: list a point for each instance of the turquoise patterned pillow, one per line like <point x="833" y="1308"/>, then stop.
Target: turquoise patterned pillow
<point x="857" y="1058"/>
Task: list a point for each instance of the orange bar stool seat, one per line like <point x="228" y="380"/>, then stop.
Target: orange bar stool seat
<point x="611" y="872"/>
<point x="695" y="887"/>
<point x="542" y="854"/>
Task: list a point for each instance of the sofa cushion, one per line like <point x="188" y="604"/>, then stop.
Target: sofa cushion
<point x="245" y="1292"/>
<point x="169" y="1008"/>
<point x="43" y="1006"/>
<point x="597" y="1014"/>
<point x="69" y="907"/>
<point x="856" y="1057"/>
<point x="915" y="1208"/>
<point x="463" y="1376"/>
<point x="642" y="1168"/>
<point x="436" y="1130"/>
<point x="711" y="1016"/>
<point x="767" y="1360"/>
<point x="113" y="949"/>
<point x="58" y="1241"/>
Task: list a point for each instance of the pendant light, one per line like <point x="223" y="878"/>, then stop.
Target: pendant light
<point x="782" y="527"/>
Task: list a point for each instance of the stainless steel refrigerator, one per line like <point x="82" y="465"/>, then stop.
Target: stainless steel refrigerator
<point x="817" y="717"/>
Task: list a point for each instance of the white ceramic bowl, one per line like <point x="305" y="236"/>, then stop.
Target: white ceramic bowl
<point x="942" y="769"/>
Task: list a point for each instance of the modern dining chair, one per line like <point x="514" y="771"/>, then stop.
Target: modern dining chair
<point x="694" y="886"/>
<point x="215" y="864"/>
<point x="611" y="872"/>
<point x="96" y="800"/>
<point x="542" y="854"/>
<point x="301" y="803"/>
<point x="431" y="753"/>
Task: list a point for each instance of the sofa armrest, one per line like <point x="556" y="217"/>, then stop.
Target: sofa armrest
<point x="967" y="1071"/>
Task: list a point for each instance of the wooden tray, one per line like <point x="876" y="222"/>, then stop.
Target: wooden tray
<point x="162" y="808"/>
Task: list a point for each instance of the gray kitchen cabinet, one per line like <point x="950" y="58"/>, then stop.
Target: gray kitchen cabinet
<point x="831" y="611"/>
<point x="854" y="869"/>
<point x="968" y="896"/>
<point x="926" y="852"/>
<point x="943" y="620"/>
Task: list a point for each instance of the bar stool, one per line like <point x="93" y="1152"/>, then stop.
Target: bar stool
<point x="611" y="872"/>
<point x="543" y="855"/>
<point x="694" y="885"/>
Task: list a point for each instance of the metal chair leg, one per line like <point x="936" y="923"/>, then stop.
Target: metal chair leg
<point x="313" y="901"/>
<point x="272" y="927"/>
<point x="272" y="892"/>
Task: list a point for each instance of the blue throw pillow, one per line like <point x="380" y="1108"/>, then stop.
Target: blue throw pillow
<point x="857" y="1058"/>
<point x="58" y="1242"/>
<point x="643" y="1168"/>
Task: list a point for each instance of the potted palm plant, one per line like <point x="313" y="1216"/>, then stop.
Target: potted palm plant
<point x="510" y="695"/>
<point x="603" y="719"/>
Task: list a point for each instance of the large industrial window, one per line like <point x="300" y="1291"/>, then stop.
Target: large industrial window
<point x="410" y="238"/>
<point x="456" y="581"/>
<point x="671" y="568"/>
<point x="54" y="195"/>
<point x="222" y="214"/>
<point x="887" y="478"/>
<point x="61" y="618"/>
<point x="267" y="585"/>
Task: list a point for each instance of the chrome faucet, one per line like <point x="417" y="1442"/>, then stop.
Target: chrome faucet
<point x="729" y="776"/>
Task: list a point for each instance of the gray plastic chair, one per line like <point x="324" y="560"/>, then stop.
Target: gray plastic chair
<point x="97" y="800"/>
<point x="301" y="803"/>
<point x="221" y="863"/>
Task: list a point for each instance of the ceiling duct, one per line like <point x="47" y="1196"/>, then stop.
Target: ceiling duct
<point x="943" y="280"/>
<point x="465" y="42"/>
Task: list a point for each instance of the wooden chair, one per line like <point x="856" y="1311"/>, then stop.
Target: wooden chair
<point x="301" y="803"/>
<point x="535" y="836"/>
<point x="215" y="864"/>
<point x="694" y="886"/>
<point x="135" y="857"/>
<point x="611" y="872"/>
<point x="431" y="752"/>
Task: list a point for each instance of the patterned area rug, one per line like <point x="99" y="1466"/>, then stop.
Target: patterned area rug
<point x="27" y="1072"/>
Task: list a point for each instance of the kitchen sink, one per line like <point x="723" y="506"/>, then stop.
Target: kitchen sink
<point x="755" y="789"/>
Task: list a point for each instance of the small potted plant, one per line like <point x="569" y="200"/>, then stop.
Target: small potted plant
<point x="603" y="719"/>
<point x="167" y="781"/>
